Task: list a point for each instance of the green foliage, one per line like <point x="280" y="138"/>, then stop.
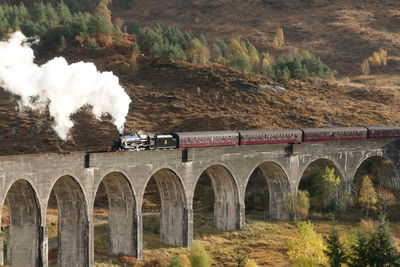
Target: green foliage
<point x="301" y="66"/>
<point x="307" y="249"/>
<point x="93" y="46"/>
<point x="381" y="250"/>
<point x="257" y="201"/>
<point x="327" y="185"/>
<point x="359" y="251"/>
<point x="56" y="27"/>
<point x="335" y="250"/>
<point x="175" y="262"/>
<point x="132" y="27"/>
<point x="198" y="256"/>
<point x="168" y="50"/>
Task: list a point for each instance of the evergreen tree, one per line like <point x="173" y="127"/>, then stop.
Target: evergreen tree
<point x="132" y="27"/>
<point x="382" y="252"/>
<point x="335" y="250"/>
<point x="63" y="12"/>
<point x="359" y="256"/>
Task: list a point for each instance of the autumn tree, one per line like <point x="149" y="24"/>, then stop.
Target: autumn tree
<point x="297" y="205"/>
<point x="327" y="185"/>
<point x="367" y="198"/>
<point x="197" y="52"/>
<point x="279" y="39"/>
<point x="307" y="249"/>
<point x="103" y="11"/>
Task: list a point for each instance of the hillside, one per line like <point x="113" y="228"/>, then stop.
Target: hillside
<point x="343" y="33"/>
<point x="170" y="95"/>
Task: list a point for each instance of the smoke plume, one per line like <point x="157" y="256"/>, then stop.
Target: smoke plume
<point x="62" y="87"/>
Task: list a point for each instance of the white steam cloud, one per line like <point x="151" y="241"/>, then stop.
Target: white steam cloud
<point x="64" y="88"/>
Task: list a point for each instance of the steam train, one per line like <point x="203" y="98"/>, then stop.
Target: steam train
<point x="137" y="142"/>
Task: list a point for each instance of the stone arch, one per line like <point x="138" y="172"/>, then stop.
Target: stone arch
<point x="227" y="215"/>
<point x="278" y="187"/>
<point x="314" y="168"/>
<point x="322" y="162"/>
<point x="174" y="214"/>
<point x="24" y="239"/>
<point x="386" y="167"/>
<point x="73" y="225"/>
<point x="122" y="218"/>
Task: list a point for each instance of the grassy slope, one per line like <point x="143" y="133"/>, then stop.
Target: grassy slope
<point x="263" y="241"/>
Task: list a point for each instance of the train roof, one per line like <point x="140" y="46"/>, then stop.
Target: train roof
<point x="269" y="131"/>
<point x="374" y="128"/>
<point x="334" y="129"/>
<point x="207" y="133"/>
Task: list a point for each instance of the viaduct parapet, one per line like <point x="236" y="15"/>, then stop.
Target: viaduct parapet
<point x="27" y="181"/>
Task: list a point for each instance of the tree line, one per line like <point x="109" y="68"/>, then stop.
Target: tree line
<point x="59" y="25"/>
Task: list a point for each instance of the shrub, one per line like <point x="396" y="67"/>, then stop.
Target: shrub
<point x="250" y="263"/>
<point x="93" y="46"/>
<point x="307" y="249"/>
<point x="297" y="205"/>
<point x="175" y="262"/>
<point x="198" y="256"/>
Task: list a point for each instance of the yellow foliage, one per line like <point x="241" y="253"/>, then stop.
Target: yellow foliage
<point x="279" y="39"/>
<point x="103" y="11"/>
<point x="253" y="56"/>
<point x="235" y="49"/>
<point x="367" y="198"/>
<point x="297" y="205"/>
<point x="307" y="249"/>
<point x="266" y="60"/>
<point x="250" y="263"/>
<point x="197" y="52"/>
<point x="378" y="58"/>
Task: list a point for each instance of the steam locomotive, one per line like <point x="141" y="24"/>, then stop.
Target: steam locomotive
<point x="138" y="141"/>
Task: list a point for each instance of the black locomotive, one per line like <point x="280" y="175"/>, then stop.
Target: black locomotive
<point x="137" y="142"/>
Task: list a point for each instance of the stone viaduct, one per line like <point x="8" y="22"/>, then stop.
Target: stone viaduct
<point x="27" y="181"/>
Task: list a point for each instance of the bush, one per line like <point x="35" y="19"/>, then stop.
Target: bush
<point x="307" y="249"/>
<point x="198" y="256"/>
<point x="250" y="263"/>
<point x="175" y="262"/>
<point x="297" y="205"/>
<point x="93" y="46"/>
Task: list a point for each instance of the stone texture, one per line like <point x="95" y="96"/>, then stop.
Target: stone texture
<point x="26" y="183"/>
